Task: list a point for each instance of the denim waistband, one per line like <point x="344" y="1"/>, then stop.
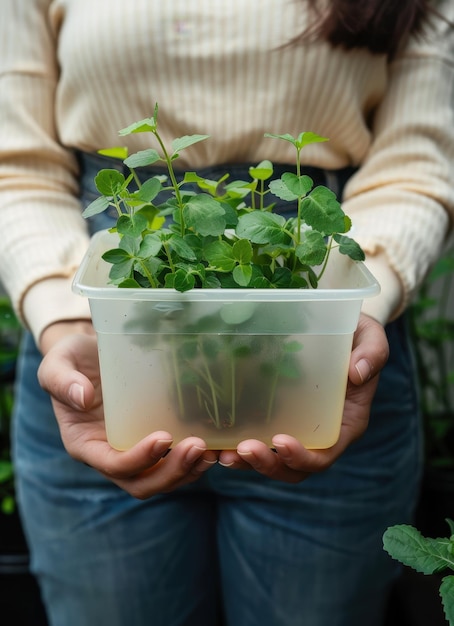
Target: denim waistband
<point x="91" y="163"/>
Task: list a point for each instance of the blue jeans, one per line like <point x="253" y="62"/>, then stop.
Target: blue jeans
<point x="234" y="548"/>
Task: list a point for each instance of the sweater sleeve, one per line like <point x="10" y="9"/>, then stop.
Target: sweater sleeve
<point x="401" y="200"/>
<point x="43" y="233"/>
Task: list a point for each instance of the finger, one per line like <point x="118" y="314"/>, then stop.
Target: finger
<point x="179" y="467"/>
<point x="59" y="375"/>
<point x="370" y="350"/>
<point x="269" y="462"/>
<point x="152" y="467"/>
<point x="232" y="460"/>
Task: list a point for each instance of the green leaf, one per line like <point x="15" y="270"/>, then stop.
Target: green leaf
<point x="299" y="186"/>
<point x="132" y="225"/>
<point x="281" y="190"/>
<point x="204" y="215"/>
<point x="181" y="247"/>
<point x="288" y="367"/>
<point x="109" y="182"/>
<point x="203" y="183"/>
<point x="188" y="140"/>
<point x="302" y="140"/>
<point x="242" y="275"/>
<point x="230" y="215"/>
<point x="263" y="171"/>
<point x="219" y="255"/>
<point x="182" y="281"/>
<point x="312" y="248"/>
<point x="143" y="126"/>
<point x="406" y="544"/>
<point x="447" y="597"/>
<point x="282" y="278"/>
<point x="150" y="213"/>
<point x="262" y="227"/>
<point x="349" y="247"/>
<point x="8" y="505"/>
<point x="306" y="138"/>
<point x="211" y="282"/>
<point x="97" y="206"/>
<point x="142" y="158"/>
<point x="237" y="313"/>
<point x="149" y="189"/>
<point x="260" y="282"/>
<point x="292" y="346"/>
<point x="150" y="246"/>
<point x="285" y="137"/>
<point x="239" y="189"/>
<point x="122" y="270"/>
<point x="321" y="210"/>
<point x="129" y="283"/>
<point x="117" y="152"/>
<point x="195" y="243"/>
<point x="6" y="471"/>
<point x="242" y="251"/>
<point x="116" y="255"/>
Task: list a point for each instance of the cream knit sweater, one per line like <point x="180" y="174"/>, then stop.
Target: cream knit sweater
<point x="74" y="72"/>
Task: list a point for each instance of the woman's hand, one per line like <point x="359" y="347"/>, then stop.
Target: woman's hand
<point x="69" y="372"/>
<point x="291" y="462"/>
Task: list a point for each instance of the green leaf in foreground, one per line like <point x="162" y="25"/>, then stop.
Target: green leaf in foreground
<point x="350" y="247"/>
<point x="97" y="206"/>
<point x="204" y="215"/>
<point x="142" y="158"/>
<point x="322" y="211"/>
<point x="261" y="228"/>
<point x="109" y="182"/>
<point x="406" y="544"/>
<point x="447" y="597"/>
<point x="424" y="554"/>
<point x="186" y="141"/>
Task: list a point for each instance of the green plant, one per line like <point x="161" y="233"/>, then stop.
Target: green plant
<point x="9" y="341"/>
<point x="407" y="545"/>
<point x="224" y="235"/>
<point x="216" y="239"/>
<point x="432" y="326"/>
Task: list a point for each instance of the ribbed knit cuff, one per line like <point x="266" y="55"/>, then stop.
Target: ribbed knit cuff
<point x="50" y="301"/>
<point x="388" y="304"/>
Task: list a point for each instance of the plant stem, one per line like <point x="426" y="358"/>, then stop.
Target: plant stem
<point x="117" y="206"/>
<point x="177" y="376"/>
<point x="325" y="262"/>
<point x="169" y="256"/>
<point x="175" y="186"/>
<point x="212" y="387"/>
<point x="300" y="199"/>
<point x="148" y="274"/>
<point x="233" y="390"/>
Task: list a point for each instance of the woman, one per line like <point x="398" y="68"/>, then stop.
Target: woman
<point x="248" y="547"/>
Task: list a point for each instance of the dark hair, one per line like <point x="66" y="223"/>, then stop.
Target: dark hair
<point x="380" y="26"/>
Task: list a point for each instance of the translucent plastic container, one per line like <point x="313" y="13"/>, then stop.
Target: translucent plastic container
<point x="224" y="364"/>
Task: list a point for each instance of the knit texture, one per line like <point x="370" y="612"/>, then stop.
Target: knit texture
<point x="74" y="72"/>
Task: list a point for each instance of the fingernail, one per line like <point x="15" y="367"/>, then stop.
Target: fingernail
<point x="194" y="453"/>
<point x="226" y="464"/>
<point x="244" y="452"/>
<point x="160" y="447"/>
<point x="282" y="450"/>
<point x="204" y="465"/>
<point x="76" y="396"/>
<point x="364" y="370"/>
